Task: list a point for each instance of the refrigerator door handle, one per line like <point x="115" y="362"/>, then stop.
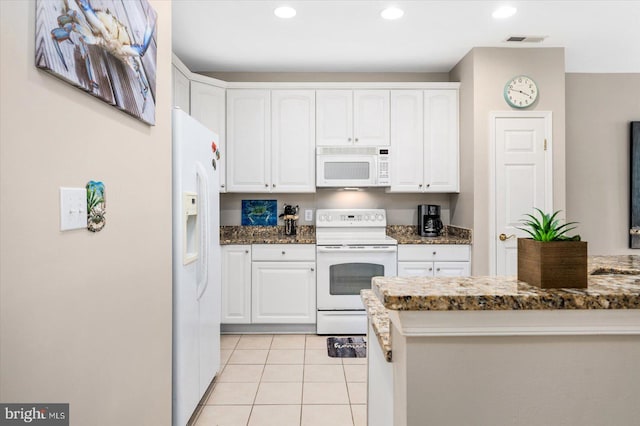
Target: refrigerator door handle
<point x="203" y="196"/>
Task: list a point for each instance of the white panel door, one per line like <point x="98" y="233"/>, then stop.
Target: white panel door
<point x="284" y="292"/>
<point x="180" y="89"/>
<point x="371" y="117"/>
<point x="334" y="117"/>
<point x="415" y="269"/>
<point x="208" y="106"/>
<point x="248" y="140"/>
<point x="236" y="284"/>
<point x="293" y="166"/>
<point x="441" y="161"/>
<point x="522" y="181"/>
<point x="407" y="159"/>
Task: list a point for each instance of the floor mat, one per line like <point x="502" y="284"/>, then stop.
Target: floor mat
<point x="347" y="347"/>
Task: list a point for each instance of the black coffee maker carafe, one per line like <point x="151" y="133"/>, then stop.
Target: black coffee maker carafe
<point x="290" y="217"/>
<point x="429" y="223"/>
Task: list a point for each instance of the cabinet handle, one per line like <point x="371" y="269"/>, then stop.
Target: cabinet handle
<point x="274" y="185"/>
<point x="222" y="186"/>
<point x="356" y="139"/>
<point x="312" y="269"/>
<point x="430" y="269"/>
<point x="266" y="185"/>
<point x="420" y="186"/>
<point x="246" y="251"/>
<point x="438" y="270"/>
<point x="282" y="251"/>
<point x="428" y="185"/>
<point x="434" y="253"/>
<point x="349" y="139"/>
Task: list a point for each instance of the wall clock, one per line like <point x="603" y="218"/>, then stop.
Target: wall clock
<point x="521" y="91"/>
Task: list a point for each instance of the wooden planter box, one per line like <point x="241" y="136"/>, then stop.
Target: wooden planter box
<point x="554" y="264"/>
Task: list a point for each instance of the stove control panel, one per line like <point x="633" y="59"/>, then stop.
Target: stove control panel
<point x="351" y="217"/>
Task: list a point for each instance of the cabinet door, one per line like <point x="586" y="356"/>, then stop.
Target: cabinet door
<point x="452" y="269"/>
<point x="335" y="117"/>
<point x="293" y="142"/>
<point x="407" y="159"/>
<point x="248" y="140"/>
<point x="441" y="140"/>
<point x="236" y="284"/>
<point x="371" y="117"/>
<point x="415" y="269"/>
<point x="180" y="89"/>
<point x="284" y="292"/>
<point x="208" y="106"/>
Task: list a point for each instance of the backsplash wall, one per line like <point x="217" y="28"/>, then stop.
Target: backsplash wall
<point x="401" y="208"/>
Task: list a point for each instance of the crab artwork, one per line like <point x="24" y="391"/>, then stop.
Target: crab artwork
<point x="82" y="25"/>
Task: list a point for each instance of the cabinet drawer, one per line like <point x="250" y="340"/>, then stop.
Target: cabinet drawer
<point x="283" y="252"/>
<point x="433" y="252"/>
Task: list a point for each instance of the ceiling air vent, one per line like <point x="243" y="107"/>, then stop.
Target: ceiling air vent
<point x="526" y="39"/>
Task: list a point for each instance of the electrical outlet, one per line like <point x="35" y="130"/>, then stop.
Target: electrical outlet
<point x="308" y="215"/>
<point x="73" y="208"/>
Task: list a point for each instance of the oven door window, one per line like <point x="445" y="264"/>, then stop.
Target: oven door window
<point x="347" y="279"/>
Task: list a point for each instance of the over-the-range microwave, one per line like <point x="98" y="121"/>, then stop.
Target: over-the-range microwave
<point x="352" y="166"/>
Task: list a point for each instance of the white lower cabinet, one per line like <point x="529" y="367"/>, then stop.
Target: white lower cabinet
<point x="279" y="288"/>
<point x="236" y="284"/>
<point x="283" y="292"/>
<point x="436" y="260"/>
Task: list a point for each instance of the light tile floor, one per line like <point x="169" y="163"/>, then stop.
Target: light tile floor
<point x="285" y="380"/>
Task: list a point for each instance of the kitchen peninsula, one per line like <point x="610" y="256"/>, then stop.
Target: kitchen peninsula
<point x="497" y="351"/>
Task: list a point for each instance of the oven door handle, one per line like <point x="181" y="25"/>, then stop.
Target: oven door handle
<point x="357" y="249"/>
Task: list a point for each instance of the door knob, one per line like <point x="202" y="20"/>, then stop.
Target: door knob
<point x="505" y="237"/>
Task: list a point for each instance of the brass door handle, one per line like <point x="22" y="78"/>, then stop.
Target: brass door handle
<point x="505" y="237"/>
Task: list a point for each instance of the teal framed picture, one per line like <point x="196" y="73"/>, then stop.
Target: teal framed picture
<point x="259" y="213"/>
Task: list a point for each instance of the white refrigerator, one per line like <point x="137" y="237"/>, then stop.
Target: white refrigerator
<point x="196" y="264"/>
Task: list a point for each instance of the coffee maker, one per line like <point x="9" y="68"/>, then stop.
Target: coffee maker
<point x="429" y="223"/>
<point x="290" y="217"/>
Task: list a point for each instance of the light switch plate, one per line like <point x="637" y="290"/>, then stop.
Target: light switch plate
<point x="308" y="215"/>
<point x="73" y="208"/>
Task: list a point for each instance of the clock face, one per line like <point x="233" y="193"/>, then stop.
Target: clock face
<point x="520" y="92"/>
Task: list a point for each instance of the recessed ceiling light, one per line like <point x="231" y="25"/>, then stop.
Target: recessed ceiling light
<point x="284" y="12"/>
<point x="392" y="13"/>
<point x="504" y="12"/>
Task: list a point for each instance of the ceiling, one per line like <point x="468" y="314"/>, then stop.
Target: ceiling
<point x="432" y="36"/>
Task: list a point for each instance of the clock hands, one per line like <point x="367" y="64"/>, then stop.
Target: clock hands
<point x="520" y="91"/>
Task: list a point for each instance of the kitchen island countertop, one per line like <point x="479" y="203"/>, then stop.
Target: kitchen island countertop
<point x="613" y="283"/>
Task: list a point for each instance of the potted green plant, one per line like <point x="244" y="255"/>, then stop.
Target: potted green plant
<point x="550" y="258"/>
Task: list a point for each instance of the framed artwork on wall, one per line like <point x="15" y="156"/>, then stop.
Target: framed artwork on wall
<point x="104" y="47"/>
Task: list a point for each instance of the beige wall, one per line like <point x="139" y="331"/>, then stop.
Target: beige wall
<point x="85" y="318"/>
<point x="462" y="203"/>
<point x="327" y="76"/>
<point x="492" y="68"/>
<point x="599" y="109"/>
<point x="402" y="209"/>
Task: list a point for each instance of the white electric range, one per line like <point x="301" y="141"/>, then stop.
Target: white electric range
<point x="351" y="248"/>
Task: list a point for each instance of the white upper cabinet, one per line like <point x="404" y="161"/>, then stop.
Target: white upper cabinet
<point x="180" y="89"/>
<point x="352" y="117"/>
<point x="424" y="141"/>
<point x="270" y="140"/>
<point x="293" y="141"/>
<point x="441" y="145"/>
<point x="407" y="142"/>
<point x="335" y="117"/>
<point x="371" y="117"/>
<point x="248" y="140"/>
<point x="208" y="107"/>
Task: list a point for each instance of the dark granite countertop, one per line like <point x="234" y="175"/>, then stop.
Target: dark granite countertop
<point x="408" y="234"/>
<point x="266" y="235"/>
